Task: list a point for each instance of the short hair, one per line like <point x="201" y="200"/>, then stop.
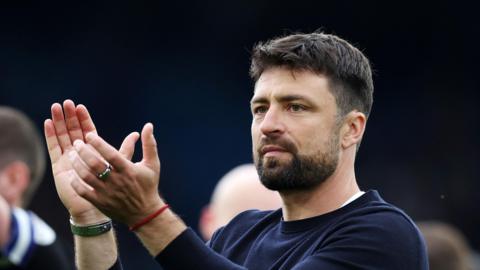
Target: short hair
<point x="21" y="141"/>
<point x="346" y="67"/>
<point x="447" y="247"/>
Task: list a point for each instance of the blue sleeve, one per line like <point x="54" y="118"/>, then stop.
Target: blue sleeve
<point x="188" y="251"/>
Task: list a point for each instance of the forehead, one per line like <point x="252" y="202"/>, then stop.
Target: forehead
<point x="279" y="82"/>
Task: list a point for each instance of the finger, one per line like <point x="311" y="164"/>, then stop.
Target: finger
<point x="108" y="152"/>
<point x="73" y="125"/>
<point x="60" y="127"/>
<point x="128" y="145"/>
<point x="149" y="145"/>
<point x="84" y="191"/>
<point x="54" y="149"/>
<point x="84" y="171"/>
<point x="86" y="121"/>
<point x="90" y="158"/>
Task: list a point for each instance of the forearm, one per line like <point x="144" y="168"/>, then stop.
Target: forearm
<point x="175" y="246"/>
<point x="161" y="231"/>
<point x="188" y="251"/>
<point x="94" y="252"/>
<point x="97" y="252"/>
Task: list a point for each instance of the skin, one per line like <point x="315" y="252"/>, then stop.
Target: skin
<point x="4" y="222"/>
<point x="298" y="106"/>
<point x="14" y="180"/>
<point x="68" y="124"/>
<point x="295" y="106"/>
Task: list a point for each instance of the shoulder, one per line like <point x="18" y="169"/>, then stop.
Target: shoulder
<point x="28" y="235"/>
<point x="242" y="223"/>
<point x="379" y="231"/>
<point x="371" y="211"/>
<point x="379" y="220"/>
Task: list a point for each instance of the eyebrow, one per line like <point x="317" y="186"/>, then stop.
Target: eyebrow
<point x="285" y="98"/>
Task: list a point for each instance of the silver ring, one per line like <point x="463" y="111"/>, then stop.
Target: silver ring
<point x="103" y="175"/>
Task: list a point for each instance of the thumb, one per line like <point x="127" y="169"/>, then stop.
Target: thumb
<point x="128" y="145"/>
<point x="149" y="146"/>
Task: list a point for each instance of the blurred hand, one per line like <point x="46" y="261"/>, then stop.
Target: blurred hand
<point x="130" y="192"/>
<point x="67" y="125"/>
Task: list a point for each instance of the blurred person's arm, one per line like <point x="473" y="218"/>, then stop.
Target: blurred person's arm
<point x="4" y="222"/>
<point x="67" y="125"/>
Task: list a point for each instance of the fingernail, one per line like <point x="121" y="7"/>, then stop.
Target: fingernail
<point x="89" y="136"/>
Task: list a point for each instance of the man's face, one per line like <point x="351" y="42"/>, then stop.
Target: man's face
<point x="294" y="129"/>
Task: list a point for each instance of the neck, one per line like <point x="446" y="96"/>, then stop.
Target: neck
<point x="326" y="197"/>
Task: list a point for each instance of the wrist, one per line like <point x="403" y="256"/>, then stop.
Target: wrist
<point x="91" y="230"/>
<point x="147" y="211"/>
<point x="89" y="217"/>
<point x="157" y="234"/>
<point x="149" y="218"/>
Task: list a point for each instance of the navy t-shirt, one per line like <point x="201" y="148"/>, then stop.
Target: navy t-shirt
<point x="368" y="233"/>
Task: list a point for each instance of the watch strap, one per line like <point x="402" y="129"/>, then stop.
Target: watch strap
<point x="90" y="230"/>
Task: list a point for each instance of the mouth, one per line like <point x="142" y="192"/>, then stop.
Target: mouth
<point x="272" y="150"/>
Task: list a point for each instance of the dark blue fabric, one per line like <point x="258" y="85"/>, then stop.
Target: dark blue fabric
<point x="365" y="234"/>
<point x="13" y="234"/>
<point x="117" y="265"/>
<point x="53" y="256"/>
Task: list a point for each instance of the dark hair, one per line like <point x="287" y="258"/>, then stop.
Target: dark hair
<point x="348" y="70"/>
<point x="21" y="141"/>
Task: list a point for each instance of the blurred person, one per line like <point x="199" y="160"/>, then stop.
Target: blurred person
<point x="237" y="191"/>
<point x="26" y="241"/>
<point x="447" y="247"/>
<point x="312" y="97"/>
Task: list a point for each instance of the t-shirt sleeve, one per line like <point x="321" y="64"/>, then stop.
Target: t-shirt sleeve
<point x="384" y="241"/>
<point x="188" y="251"/>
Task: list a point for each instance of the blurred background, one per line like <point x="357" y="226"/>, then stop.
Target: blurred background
<point x="184" y="67"/>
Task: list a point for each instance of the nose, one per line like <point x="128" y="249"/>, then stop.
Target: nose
<point x="272" y="123"/>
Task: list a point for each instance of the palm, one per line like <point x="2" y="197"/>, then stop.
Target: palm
<point x="67" y="125"/>
<point x="63" y="175"/>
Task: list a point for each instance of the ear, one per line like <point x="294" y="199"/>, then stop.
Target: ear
<point x="206" y="225"/>
<point x="353" y="128"/>
<point x="14" y="180"/>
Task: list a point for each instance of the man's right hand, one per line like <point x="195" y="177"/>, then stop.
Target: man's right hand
<point x="67" y="125"/>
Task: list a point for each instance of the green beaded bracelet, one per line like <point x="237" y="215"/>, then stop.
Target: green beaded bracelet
<point x="90" y="230"/>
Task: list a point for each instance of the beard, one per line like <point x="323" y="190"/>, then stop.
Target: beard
<point x="301" y="172"/>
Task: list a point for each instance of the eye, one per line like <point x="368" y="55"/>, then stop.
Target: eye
<point x="260" y="110"/>
<point x="296" y="108"/>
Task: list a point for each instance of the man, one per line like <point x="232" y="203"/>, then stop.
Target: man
<point x="447" y="247"/>
<point x="229" y="199"/>
<point x="312" y="98"/>
<point x="26" y="241"/>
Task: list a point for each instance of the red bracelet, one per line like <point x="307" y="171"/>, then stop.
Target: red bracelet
<point x="149" y="218"/>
